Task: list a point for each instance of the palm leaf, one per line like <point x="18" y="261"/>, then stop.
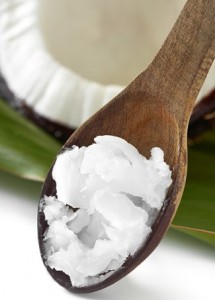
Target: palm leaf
<point x="25" y="150"/>
<point x="196" y="213"/>
<point x="28" y="152"/>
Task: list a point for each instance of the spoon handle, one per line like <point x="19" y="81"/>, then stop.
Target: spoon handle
<point x="180" y="67"/>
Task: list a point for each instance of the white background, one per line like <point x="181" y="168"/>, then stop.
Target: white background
<point x="181" y="268"/>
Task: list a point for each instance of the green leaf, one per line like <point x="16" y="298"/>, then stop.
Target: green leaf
<point x="205" y="236"/>
<point x="196" y="213"/>
<point x="28" y="152"/>
<point x="25" y="150"/>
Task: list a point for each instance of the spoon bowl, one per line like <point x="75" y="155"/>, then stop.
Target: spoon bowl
<point x="153" y="111"/>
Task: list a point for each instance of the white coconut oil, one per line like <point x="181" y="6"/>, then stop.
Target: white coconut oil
<point x="115" y="193"/>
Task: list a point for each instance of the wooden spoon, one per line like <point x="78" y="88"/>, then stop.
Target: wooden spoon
<point x="153" y="110"/>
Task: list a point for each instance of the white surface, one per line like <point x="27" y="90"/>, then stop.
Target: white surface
<point x="180" y="269"/>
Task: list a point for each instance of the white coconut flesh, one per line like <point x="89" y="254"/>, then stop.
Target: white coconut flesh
<point x="30" y="71"/>
<point x="118" y="194"/>
<point x="55" y="91"/>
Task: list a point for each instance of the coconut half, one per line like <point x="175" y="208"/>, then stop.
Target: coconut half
<point x="39" y="82"/>
<point x="30" y="71"/>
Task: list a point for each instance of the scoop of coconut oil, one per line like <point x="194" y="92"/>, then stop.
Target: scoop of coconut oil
<point x="108" y="196"/>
